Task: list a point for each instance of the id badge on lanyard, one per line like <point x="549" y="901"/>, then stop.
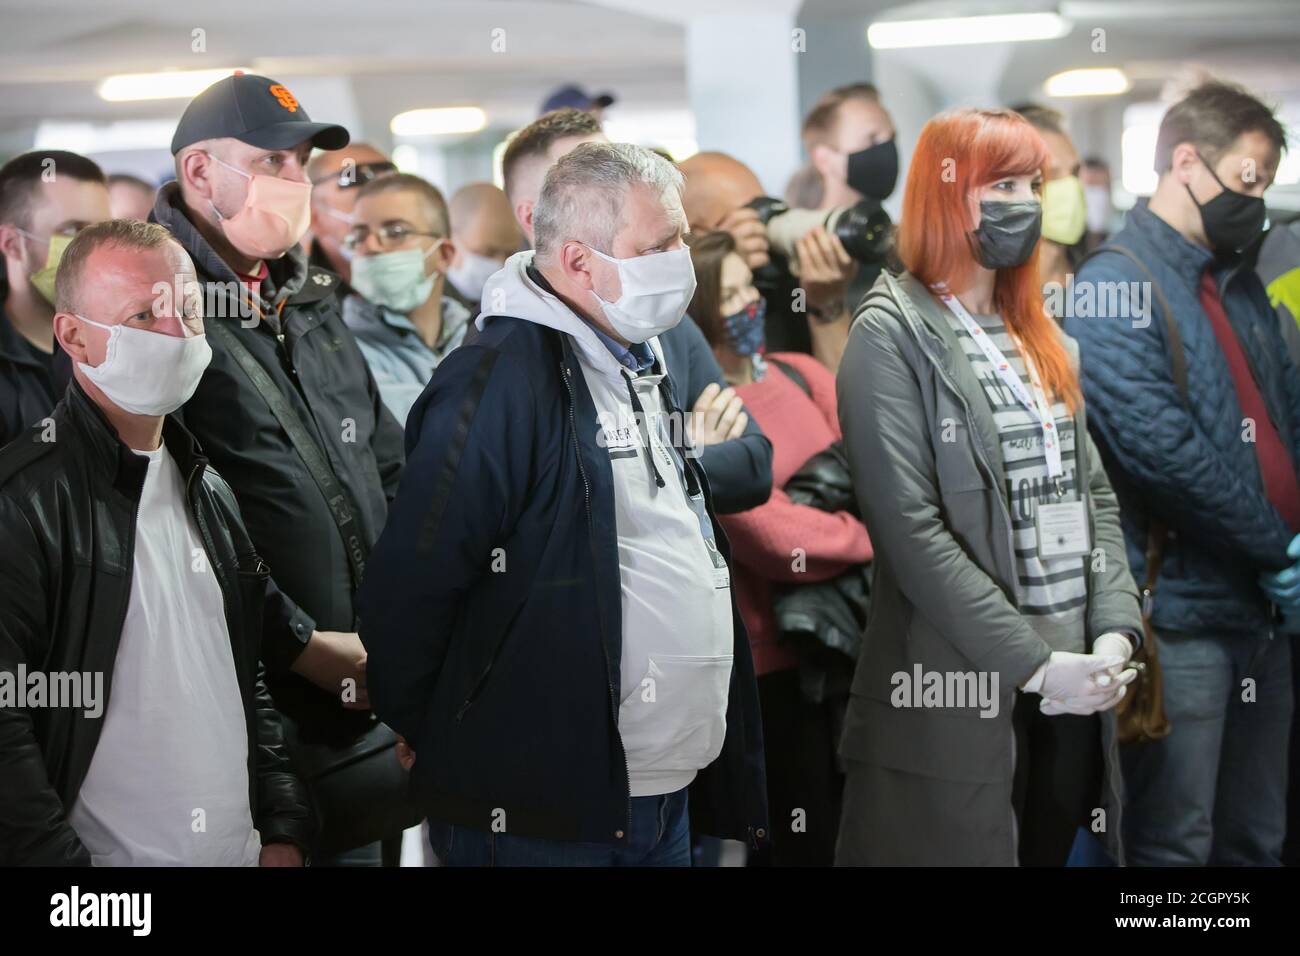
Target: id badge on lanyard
<point x="1062" y="528"/>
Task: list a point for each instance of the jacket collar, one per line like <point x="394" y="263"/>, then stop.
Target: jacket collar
<point x="1166" y="243"/>
<point x="111" y="456"/>
<point x="286" y="276"/>
<point x="926" y="317"/>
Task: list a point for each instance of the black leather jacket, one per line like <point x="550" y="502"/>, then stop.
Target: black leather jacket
<point x="68" y="504"/>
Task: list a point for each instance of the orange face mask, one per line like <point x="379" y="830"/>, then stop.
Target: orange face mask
<point x="275" y="216"/>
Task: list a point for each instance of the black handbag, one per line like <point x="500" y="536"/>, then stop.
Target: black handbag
<point x="359" y="790"/>
<point x="824" y="620"/>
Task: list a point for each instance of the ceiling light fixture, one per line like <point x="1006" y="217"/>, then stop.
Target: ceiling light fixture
<point x="955" y="31"/>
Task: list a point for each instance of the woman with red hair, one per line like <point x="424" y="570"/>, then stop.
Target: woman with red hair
<point x="981" y="728"/>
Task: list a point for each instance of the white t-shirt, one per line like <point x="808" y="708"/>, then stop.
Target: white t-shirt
<point x="677" y="617"/>
<point x="168" y="782"/>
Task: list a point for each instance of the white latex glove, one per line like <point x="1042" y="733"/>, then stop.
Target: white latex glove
<point x="1067" y="676"/>
<point x="1083" y="706"/>
<point x="1113" y="644"/>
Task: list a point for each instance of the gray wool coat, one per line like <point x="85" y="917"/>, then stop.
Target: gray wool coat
<point x="932" y="785"/>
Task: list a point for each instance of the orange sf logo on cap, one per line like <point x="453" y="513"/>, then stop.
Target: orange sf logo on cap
<point x="284" y="97"/>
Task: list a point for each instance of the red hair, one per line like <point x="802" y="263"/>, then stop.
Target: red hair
<point x="959" y="152"/>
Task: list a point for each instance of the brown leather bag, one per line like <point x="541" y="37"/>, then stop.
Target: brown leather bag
<point x="1141" y="713"/>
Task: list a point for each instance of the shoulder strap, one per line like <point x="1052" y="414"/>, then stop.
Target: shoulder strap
<point x="336" y="496"/>
<point x="794" y="375"/>
<point x="1177" y="359"/>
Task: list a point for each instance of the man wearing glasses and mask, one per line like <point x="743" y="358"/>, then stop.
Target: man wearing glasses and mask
<point x="402" y="313"/>
<point x="336" y="176"/>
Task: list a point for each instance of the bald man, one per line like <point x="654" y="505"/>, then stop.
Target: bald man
<point x="718" y="190"/>
<point x="484" y="233"/>
<point x="335" y="176"/>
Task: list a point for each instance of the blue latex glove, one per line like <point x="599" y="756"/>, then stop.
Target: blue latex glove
<point x="1283" y="587"/>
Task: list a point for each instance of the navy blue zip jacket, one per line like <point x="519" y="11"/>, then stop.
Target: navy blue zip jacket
<point x="1188" y="464"/>
<point x="492" y="611"/>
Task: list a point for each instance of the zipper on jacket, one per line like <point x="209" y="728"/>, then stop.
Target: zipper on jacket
<point x="567" y="374"/>
<point x="482" y="677"/>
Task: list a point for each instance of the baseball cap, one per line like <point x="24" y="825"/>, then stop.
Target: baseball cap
<point x="255" y="110"/>
<point x="577" y="98"/>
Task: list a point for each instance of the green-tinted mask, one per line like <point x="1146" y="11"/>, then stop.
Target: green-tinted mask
<point x="1065" y="213"/>
<point x="43" y="279"/>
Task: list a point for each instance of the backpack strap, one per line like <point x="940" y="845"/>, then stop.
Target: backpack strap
<point x="793" y="374"/>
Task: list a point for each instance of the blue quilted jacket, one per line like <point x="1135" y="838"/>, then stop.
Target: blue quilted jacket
<point x="1188" y="464"/>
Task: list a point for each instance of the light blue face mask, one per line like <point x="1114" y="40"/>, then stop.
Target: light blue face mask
<point x="395" y="280"/>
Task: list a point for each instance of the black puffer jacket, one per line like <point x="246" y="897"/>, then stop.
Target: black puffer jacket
<point x="67" y="520"/>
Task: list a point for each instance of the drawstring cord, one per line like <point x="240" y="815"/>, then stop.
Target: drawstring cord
<point x="645" y="431"/>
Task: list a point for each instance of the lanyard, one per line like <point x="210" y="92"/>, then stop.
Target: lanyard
<point x="1036" y="403"/>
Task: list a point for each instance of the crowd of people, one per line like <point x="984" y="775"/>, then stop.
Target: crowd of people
<point x="626" y="509"/>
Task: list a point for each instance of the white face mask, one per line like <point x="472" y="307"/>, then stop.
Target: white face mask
<point x="656" y="291"/>
<point x="148" y="373"/>
<point x="472" y="274"/>
<point x="1096" y="200"/>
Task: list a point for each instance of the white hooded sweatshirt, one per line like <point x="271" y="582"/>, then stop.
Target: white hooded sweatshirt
<point x="676" y="590"/>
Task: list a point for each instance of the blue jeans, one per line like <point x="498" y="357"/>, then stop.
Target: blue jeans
<point x="659" y="835"/>
<point x="1214" y="791"/>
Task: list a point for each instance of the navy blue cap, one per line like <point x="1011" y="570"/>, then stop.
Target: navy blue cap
<point x="255" y="110"/>
<point x="576" y="98"/>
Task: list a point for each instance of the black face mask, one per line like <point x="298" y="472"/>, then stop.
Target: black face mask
<point x="1007" y="233"/>
<point x="874" y="171"/>
<point x="1232" y="220"/>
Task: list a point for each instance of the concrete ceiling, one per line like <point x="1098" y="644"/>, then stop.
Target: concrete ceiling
<point x="399" y="54"/>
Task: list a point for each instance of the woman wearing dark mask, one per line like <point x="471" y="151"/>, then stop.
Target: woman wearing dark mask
<point x="781" y="543"/>
<point x="980" y="728"/>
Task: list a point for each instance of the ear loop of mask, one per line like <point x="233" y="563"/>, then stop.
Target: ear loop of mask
<point x="234" y="169"/>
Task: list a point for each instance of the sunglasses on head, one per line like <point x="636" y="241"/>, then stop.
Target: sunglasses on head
<point x="358" y="175"/>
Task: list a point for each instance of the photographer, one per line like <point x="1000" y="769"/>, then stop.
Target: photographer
<point x="849" y="138"/>
<point x="723" y="193"/>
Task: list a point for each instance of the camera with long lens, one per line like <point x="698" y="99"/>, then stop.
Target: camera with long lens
<point x="864" y="228"/>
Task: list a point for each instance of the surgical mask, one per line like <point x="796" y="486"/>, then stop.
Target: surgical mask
<point x="43" y="279"/>
<point x="395" y="280"/>
<point x="656" y="291"/>
<point x="744" y="329"/>
<point x="1232" y="220"/>
<point x="1097" y="199"/>
<point x="1008" y="232"/>
<point x="148" y="373"/>
<point x="873" y="171"/>
<point x="472" y="273"/>
<point x="1065" y="213"/>
<point x="275" y="216"/>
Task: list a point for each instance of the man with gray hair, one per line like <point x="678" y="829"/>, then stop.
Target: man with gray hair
<point x="548" y="614"/>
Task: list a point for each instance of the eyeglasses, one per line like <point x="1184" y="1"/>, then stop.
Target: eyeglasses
<point x="357" y="174"/>
<point x="390" y="236"/>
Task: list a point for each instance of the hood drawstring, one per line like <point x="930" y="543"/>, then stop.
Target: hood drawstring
<point x="639" y="412"/>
